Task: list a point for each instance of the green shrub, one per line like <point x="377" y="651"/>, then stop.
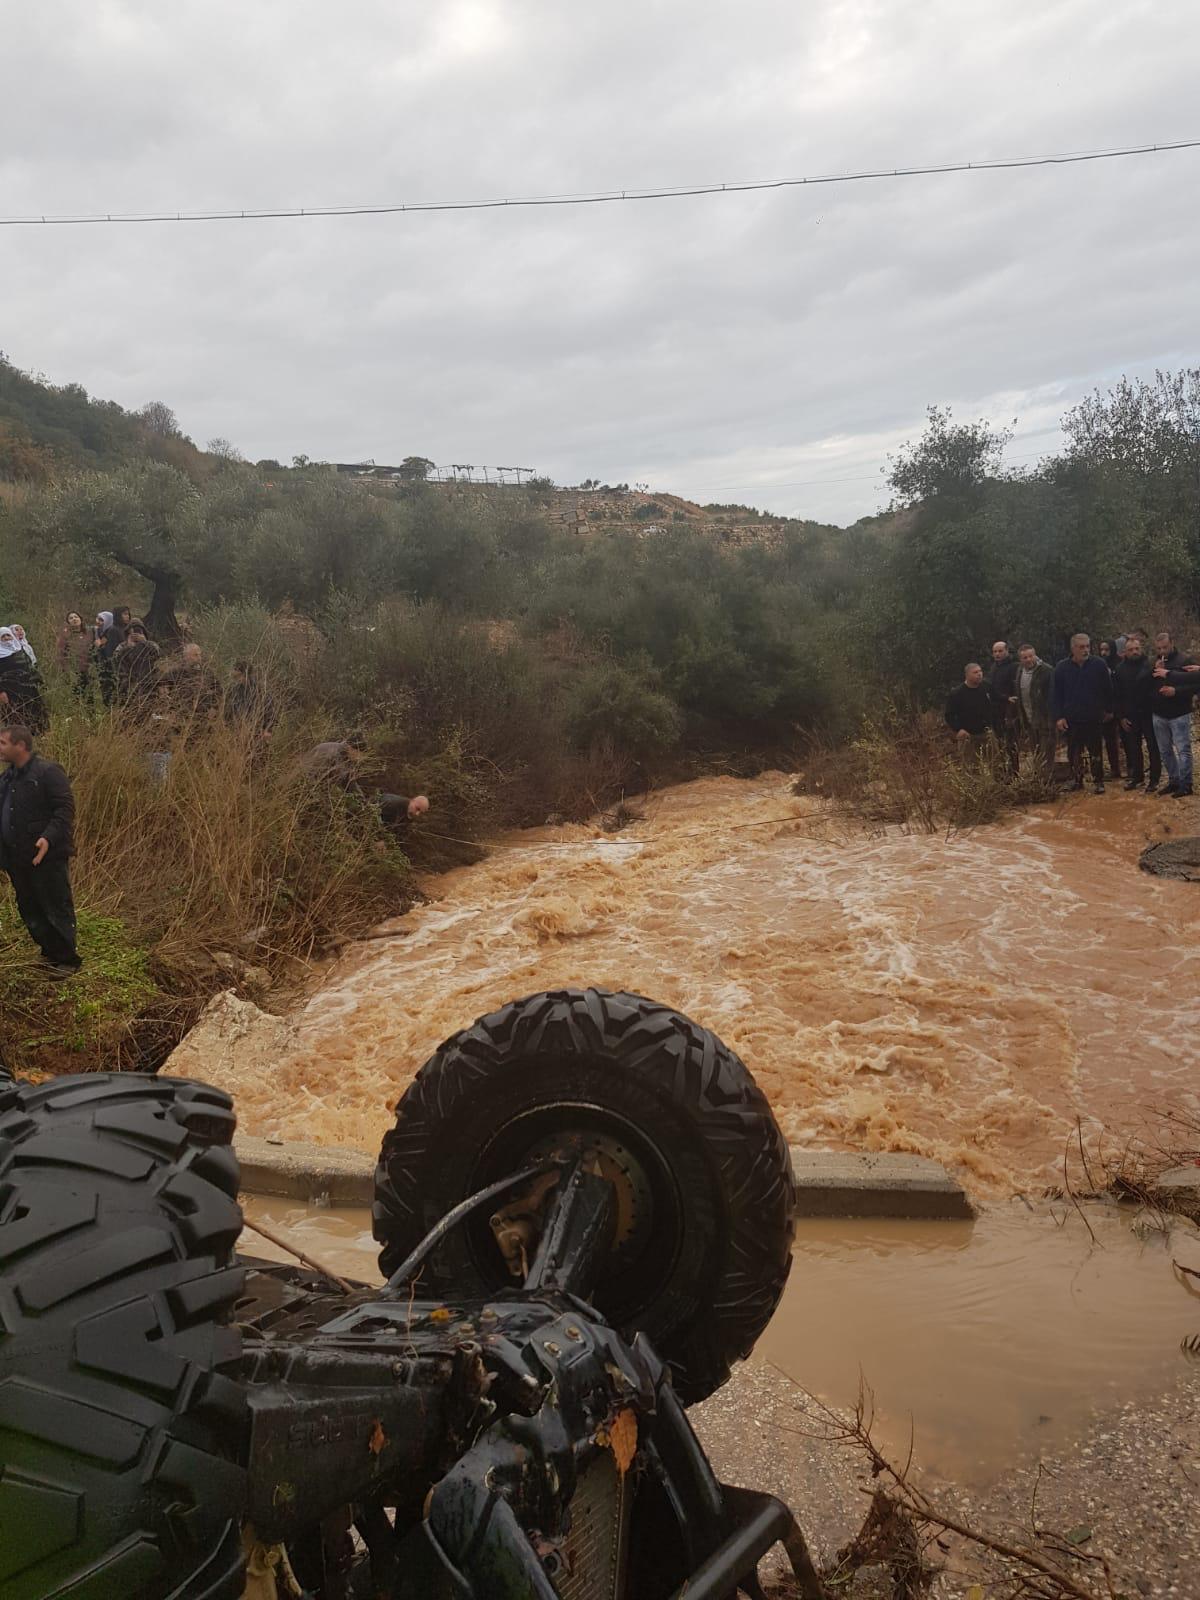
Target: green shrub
<point x="611" y="705"/>
<point x="902" y="771"/>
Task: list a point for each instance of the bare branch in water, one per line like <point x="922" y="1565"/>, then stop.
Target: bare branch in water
<point x="1071" y="1195"/>
<point x="902" y="1522"/>
<point x="1083" y="1157"/>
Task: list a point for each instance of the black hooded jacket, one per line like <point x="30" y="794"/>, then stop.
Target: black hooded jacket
<point x="1185" y="685"/>
<point x="21" y="682"/>
<point x="36" y="803"/>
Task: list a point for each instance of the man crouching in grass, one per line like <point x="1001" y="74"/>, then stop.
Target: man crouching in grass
<point x="37" y="815"/>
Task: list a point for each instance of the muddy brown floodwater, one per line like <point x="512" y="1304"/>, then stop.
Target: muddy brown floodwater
<point x="982" y="1341"/>
<point x="966" y="998"/>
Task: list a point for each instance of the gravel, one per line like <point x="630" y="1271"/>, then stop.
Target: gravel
<point x="1127" y="1488"/>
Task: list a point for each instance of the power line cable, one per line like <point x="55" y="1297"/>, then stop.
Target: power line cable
<point x="603" y="197"/>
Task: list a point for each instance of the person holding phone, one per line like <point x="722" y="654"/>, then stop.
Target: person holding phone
<point x="1176" y="679"/>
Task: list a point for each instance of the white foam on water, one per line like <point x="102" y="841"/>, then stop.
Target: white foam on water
<point x="964" y="998"/>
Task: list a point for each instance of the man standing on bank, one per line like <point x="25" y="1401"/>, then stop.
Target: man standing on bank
<point x="1175" y="680"/>
<point x="1035" y="684"/>
<point x="969" y="713"/>
<point x="1003" y="689"/>
<point x="1082" y="698"/>
<point x="37" y="816"/>
<point x="1135" y="688"/>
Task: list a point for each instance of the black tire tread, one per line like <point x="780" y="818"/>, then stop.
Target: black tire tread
<point x="697" y="1079"/>
<point x="120" y="1435"/>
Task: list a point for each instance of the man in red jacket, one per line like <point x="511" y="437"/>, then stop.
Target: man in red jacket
<point x="37" y="816"/>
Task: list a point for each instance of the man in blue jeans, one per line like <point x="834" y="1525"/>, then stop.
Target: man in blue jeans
<point x="1176" y="680"/>
<point x="1081" y="701"/>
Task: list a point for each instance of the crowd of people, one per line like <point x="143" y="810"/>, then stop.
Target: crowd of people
<point x="115" y="658"/>
<point x="174" y="700"/>
<point x="1128" y="700"/>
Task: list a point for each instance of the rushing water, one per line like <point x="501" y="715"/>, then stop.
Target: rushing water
<point x="964" y="997"/>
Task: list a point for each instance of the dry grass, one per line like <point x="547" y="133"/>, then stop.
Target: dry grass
<point x="1131" y="1165"/>
<point x="903" y="771"/>
<point x="232" y="868"/>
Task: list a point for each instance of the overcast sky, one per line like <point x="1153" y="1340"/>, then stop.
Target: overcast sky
<point x="769" y="348"/>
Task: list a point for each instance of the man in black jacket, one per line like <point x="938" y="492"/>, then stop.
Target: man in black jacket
<point x="1002" y="688"/>
<point x="1135" y="689"/>
<point x="969" y="712"/>
<point x="37" y="815"/>
<point x="1176" y="680"/>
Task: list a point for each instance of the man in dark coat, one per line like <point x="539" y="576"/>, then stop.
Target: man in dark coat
<point x="190" y="694"/>
<point x="1082" y="698"/>
<point x="969" y="713"/>
<point x="1002" y="687"/>
<point x="37" y="816"/>
<point x="1111" y="651"/>
<point x="1135" y="691"/>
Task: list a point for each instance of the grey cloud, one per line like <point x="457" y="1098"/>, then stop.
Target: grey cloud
<point x="786" y="336"/>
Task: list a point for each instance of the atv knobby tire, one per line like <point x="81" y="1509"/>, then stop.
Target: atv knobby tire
<point x="119" y="1432"/>
<point x="710" y="1226"/>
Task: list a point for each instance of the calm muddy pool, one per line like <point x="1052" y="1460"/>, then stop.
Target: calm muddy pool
<point x="987" y="1338"/>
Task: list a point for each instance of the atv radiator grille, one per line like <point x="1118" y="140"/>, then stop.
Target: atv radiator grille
<point x="594" y="1549"/>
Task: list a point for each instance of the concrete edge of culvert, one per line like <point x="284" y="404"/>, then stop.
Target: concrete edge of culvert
<point x="331" y="1174"/>
<point x="828" y="1183"/>
<point x="831" y="1183"/>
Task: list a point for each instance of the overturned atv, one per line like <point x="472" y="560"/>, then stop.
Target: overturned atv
<point x="584" y="1210"/>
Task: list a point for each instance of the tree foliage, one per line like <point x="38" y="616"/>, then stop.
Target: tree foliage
<point x="671" y="636"/>
<point x="1102" y="538"/>
<point x="951" y="463"/>
<point x="158" y="418"/>
<point x="145" y="519"/>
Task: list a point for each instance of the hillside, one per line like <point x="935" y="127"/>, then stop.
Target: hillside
<point x="514" y="652"/>
<point x="47" y="429"/>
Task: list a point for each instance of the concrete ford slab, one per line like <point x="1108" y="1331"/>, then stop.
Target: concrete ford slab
<point x="884" y="1184"/>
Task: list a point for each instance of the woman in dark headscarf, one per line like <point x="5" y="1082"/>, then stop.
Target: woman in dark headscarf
<point x="20" y="686"/>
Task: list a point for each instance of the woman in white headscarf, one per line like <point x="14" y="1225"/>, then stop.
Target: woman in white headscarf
<point x="20" y="687"/>
<point x="20" y="636"/>
<point x="108" y="637"/>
